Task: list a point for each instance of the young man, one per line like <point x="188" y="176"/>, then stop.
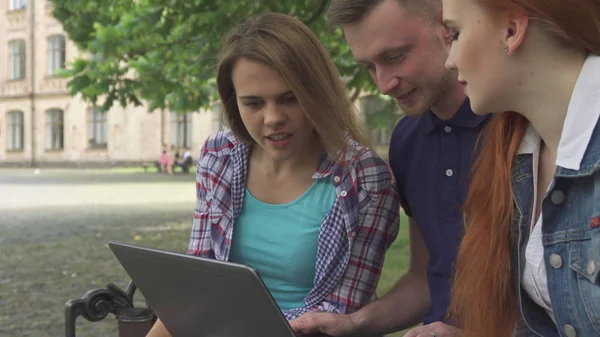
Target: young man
<point x="404" y="45"/>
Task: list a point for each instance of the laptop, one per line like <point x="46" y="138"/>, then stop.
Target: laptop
<point x="198" y="297"/>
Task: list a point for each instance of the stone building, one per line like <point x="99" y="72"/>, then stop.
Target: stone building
<point x="42" y="125"/>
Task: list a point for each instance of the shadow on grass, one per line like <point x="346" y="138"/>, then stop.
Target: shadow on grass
<point x="39" y="277"/>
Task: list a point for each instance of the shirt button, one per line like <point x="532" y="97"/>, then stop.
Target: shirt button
<point x="557" y="197"/>
<point x="336" y="179"/>
<point x="555" y="261"/>
<point x="343" y="193"/>
<point x="448" y="129"/>
<point x="570" y="330"/>
<point x="449" y="172"/>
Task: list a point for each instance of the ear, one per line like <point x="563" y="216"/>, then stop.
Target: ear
<point x="446" y="35"/>
<point x="444" y="31"/>
<point x="516" y="30"/>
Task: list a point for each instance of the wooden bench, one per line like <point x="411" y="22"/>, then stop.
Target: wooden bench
<point x="147" y="165"/>
<point x="96" y="304"/>
<point x="185" y="165"/>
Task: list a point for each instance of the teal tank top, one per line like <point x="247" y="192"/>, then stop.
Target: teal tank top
<point x="280" y="241"/>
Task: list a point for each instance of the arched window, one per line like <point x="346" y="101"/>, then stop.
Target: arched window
<point x="16" y="59"/>
<point x="181" y="129"/>
<point x="14" y="131"/>
<point x="54" y="129"/>
<point x="56" y="54"/>
<point x="97" y="130"/>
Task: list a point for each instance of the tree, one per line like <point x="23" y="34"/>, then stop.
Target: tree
<point x="164" y="52"/>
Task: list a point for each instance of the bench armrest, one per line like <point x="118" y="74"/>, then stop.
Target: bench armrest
<point x="96" y="304"/>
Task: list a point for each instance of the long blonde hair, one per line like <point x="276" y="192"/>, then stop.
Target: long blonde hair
<point x="288" y="46"/>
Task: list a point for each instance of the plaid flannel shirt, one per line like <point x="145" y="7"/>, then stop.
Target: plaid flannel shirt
<point x="354" y="236"/>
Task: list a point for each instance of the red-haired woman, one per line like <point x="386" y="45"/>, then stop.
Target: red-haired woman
<point x="529" y="264"/>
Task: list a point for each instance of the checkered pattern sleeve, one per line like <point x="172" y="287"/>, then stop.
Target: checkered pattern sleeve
<point x="211" y="189"/>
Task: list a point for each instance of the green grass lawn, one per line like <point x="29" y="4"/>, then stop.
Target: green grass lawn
<point x="39" y="276"/>
<point x="396" y="262"/>
<point x="396" y="259"/>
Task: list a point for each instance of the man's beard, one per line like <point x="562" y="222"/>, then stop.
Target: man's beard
<point x="431" y="95"/>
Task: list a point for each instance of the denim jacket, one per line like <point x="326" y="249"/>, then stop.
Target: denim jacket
<point x="571" y="240"/>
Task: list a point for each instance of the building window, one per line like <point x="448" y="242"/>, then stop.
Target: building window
<point x="181" y="130"/>
<point x="217" y="120"/>
<point x="16" y="59"/>
<point x="15" y="131"/>
<point x="56" y="54"/>
<point x="54" y="129"/>
<point x="15" y="5"/>
<point x="97" y="131"/>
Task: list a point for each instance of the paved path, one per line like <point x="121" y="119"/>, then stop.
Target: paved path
<point x="22" y="189"/>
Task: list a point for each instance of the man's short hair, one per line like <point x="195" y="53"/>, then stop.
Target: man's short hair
<point x="347" y="12"/>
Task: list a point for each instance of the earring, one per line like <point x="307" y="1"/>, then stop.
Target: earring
<point x="506" y="49"/>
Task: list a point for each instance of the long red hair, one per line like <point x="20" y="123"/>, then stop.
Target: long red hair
<point x="483" y="296"/>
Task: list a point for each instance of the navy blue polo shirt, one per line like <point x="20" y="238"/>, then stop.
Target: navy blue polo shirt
<point x="431" y="160"/>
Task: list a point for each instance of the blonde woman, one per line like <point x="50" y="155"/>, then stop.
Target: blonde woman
<point x="292" y="190"/>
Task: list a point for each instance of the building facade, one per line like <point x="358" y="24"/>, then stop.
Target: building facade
<point x="42" y="125"/>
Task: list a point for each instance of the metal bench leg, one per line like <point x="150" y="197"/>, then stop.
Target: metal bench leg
<point x="73" y="309"/>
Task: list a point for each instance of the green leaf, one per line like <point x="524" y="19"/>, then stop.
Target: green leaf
<point x="163" y="52"/>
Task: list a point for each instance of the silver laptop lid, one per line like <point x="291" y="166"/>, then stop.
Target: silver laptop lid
<point x="197" y="297"/>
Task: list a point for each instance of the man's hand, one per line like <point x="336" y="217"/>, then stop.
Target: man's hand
<point x="315" y="323"/>
<point x="437" y="329"/>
